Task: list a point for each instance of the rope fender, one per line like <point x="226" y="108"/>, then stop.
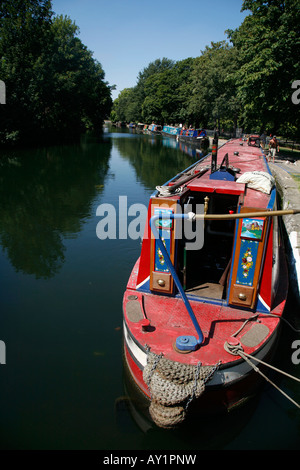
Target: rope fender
<point x="172" y="387"/>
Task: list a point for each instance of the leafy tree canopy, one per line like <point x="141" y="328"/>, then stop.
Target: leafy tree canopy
<point x="268" y="44"/>
<point x="55" y="89"/>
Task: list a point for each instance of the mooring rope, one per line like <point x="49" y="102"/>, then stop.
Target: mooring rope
<point x="272" y="367"/>
<point x="283" y="319"/>
<point x="238" y="351"/>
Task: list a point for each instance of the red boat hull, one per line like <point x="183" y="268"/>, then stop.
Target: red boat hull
<point x="235" y="287"/>
<point x="215" y="399"/>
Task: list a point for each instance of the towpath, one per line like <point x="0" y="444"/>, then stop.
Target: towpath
<point x="286" y="171"/>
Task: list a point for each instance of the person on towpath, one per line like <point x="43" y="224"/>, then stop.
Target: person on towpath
<point x="273" y="146"/>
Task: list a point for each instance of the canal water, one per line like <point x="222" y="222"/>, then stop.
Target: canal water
<point x="63" y="385"/>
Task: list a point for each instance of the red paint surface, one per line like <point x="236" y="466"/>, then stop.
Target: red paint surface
<point x="169" y="319"/>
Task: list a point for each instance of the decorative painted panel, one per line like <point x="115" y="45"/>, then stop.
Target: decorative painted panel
<point x="248" y="258"/>
<point x="247" y="262"/>
<point x="252" y="228"/>
<point x="164" y="227"/>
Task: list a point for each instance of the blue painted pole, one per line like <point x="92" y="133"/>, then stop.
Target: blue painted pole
<point x="172" y="269"/>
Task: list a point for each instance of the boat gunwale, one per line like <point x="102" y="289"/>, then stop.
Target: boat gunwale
<point x="217" y="382"/>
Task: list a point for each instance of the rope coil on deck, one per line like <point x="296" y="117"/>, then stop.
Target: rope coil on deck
<point x="172" y="387"/>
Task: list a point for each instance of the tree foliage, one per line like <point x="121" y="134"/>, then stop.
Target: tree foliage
<point x="268" y="45"/>
<point x="125" y="105"/>
<point x="54" y="87"/>
<point x="213" y="93"/>
<point x="245" y="81"/>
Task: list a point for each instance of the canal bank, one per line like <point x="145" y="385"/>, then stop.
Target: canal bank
<point x="286" y="172"/>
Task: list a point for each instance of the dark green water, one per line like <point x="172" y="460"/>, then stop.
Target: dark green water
<point x="63" y="384"/>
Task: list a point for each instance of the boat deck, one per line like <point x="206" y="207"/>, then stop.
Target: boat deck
<point x="248" y="158"/>
<point x="169" y="319"/>
<point x="218" y="321"/>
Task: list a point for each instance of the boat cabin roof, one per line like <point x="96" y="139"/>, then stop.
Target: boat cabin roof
<point x="216" y="186"/>
<point x="241" y="157"/>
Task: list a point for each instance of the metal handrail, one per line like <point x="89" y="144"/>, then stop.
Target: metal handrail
<point x="244" y="215"/>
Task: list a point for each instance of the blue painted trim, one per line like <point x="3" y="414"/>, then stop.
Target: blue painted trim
<point x="173" y="271"/>
<point x="273" y="191"/>
<point x="206" y="300"/>
<point x="260" y="307"/>
<point x="272" y="199"/>
<point x="145" y="287"/>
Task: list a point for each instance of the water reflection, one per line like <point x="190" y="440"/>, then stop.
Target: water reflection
<point x="45" y="196"/>
<point x="154" y="158"/>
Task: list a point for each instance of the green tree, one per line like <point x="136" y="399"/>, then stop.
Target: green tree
<point x="268" y="42"/>
<point x="167" y="93"/>
<point x="124" y="107"/>
<point x="160" y="94"/>
<point x="139" y="103"/>
<point x="182" y="73"/>
<point x="25" y="31"/>
<point x="77" y="96"/>
<point x="55" y="89"/>
<point x="212" y="98"/>
<point x="144" y="88"/>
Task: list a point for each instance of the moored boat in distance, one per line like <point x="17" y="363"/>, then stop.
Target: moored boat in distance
<point x="171" y="131"/>
<point x="140" y="127"/>
<point x="120" y="124"/>
<point x="194" y="137"/>
<point x="204" y="300"/>
<point x="197" y="137"/>
<point x="154" y="129"/>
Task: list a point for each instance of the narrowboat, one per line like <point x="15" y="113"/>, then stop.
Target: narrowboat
<point x="154" y="129"/>
<point x="204" y="300"/>
<point x="197" y="137"/>
<point x="140" y="127"/>
<point x="171" y="131"/>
